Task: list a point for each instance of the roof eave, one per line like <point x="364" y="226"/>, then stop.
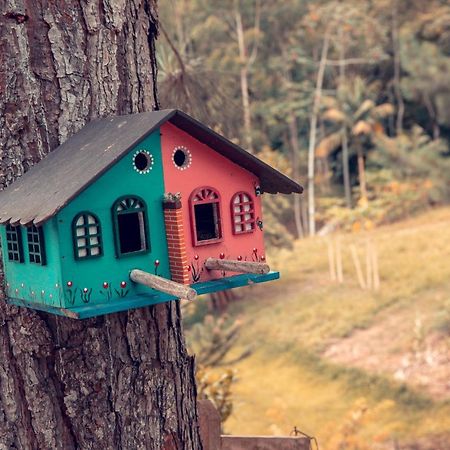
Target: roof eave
<point x="284" y="184"/>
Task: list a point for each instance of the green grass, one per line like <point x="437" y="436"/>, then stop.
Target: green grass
<point x="287" y="383"/>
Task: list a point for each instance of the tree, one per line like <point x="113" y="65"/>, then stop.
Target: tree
<point x="287" y="108"/>
<point x="119" y="381"/>
<point x="333" y="21"/>
<point x="184" y="82"/>
<point x="425" y="65"/>
<point x="225" y="37"/>
<point x="357" y="116"/>
<point x="246" y="61"/>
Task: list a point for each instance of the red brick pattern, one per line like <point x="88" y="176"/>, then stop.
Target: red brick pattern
<point x="176" y="244"/>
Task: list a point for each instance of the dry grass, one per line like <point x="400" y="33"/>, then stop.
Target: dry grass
<point x="290" y="323"/>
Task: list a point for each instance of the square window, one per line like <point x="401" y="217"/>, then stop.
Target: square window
<point x="14" y="243"/>
<point x="36" y="249"/>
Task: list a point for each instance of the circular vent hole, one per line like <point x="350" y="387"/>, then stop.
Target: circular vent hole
<point x="142" y="161"/>
<point x="180" y="158"/>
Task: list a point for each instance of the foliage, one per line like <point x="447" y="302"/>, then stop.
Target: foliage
<point x="391" y="200"/>
<point x="216" y="386"/>
<point x="406" y="174"/>
<point x="387" y="65"/>
<point x="349" y="435"/>
<point x="277" y="208"/>
<point x="354" y="109"/>
<point x="212" y="341"/>
<point x="415" y="157"/>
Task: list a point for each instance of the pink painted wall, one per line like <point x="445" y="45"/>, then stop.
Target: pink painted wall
<point x="209" y="168"/>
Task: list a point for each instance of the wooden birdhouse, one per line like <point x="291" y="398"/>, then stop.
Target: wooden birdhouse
<point x="136" y="210"/>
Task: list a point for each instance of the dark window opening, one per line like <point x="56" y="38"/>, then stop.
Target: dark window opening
<point x="130" y="226"/>
<point x="131" y="237"/>
<point x="205" y="216"/>
<point x="206" y="221"/>
<point x="14" y="243"/>
<point x="179" y="158"/>
<point x="36" y="249"/>
<point x="142" y="161"/>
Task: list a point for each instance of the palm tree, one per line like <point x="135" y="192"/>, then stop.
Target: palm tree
<point x="355" y="117"/>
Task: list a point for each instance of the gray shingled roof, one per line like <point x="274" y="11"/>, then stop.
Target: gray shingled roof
<point x="52" y="183"/>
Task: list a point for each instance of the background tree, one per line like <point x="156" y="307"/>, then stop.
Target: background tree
<point x="118" y="381"/>
<point x="357" y="118"/>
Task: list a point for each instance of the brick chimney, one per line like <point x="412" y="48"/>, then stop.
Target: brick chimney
<point x="173" y="218"/>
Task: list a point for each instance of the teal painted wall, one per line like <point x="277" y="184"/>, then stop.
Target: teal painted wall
<point x="90" y="274"/>
<point x="33" y="282"/>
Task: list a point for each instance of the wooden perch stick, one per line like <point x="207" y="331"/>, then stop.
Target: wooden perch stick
<point x="236" y="266"/>
<point x="162" y="284"/>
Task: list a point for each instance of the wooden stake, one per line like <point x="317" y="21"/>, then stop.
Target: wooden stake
<point x="368" y="265"/>
<point x="331" y="260"/>
<point x="376" y="274"/>
<point x="163" y="285"/>
<point x="236" y="266"/>
<point x="359" y="272"/>
<point x="339" y="270"/>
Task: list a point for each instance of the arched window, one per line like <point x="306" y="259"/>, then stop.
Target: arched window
<point x="205" y="216"/>
<point x="242" y="213"/>
<point x="130" y="226"/>
<point x="87" y="236"/>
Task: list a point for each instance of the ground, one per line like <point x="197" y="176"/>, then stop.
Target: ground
<point x="421" y="360"/>
<point x="340" y="362"/>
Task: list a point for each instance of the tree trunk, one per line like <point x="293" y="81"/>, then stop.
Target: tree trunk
<point x="346" y="168"/>
<point x="345" y="156"/>
<point x="246" y="109"/>
<point x="312" y="134"/>
<point x="246" y="62"/>
<point x="121" y="381"/>
<point x="295" y="151"/>
<point x="397" y="69"/>
<point x="361" y="174"/>
<point x="244" y="79"/>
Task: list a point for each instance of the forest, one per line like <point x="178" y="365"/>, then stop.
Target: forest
<point x="350" y="98"/>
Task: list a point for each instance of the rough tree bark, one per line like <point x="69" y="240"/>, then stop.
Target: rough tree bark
<point x="122" y="381"/>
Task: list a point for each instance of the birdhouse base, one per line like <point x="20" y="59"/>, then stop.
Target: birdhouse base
<point x="152" y="298"/>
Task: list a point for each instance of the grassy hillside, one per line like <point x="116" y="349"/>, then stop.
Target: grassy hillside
<point x="346" y="364"/>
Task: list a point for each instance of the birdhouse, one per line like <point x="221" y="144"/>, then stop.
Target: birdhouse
<point x="132" y="211"/>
